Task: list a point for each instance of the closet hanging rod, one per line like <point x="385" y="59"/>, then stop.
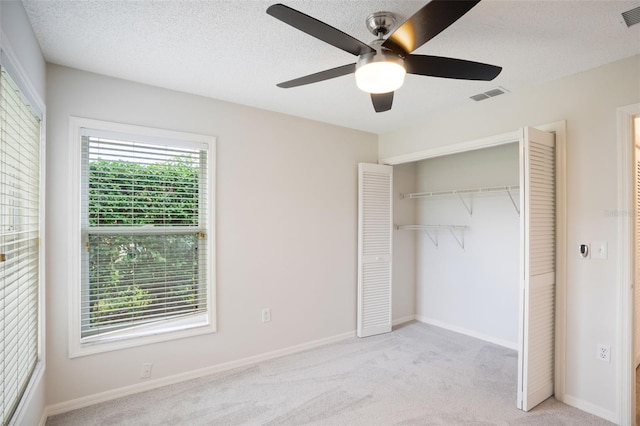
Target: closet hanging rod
<point x="469" y="191"/>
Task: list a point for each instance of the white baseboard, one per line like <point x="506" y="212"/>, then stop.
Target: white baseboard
<point x="97" y="398"/>
<point x="591" y="408"/>
<point x="467" y="332"/>
<point x="402" y="320"/>
<point x="85" y="401"/>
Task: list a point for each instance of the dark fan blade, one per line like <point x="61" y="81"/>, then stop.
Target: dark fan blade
<point x="427" y="23"/>
<point x="437" y="66"/>
<point x="319" y="76"/>
<point x="319" y="29"/>
<point x="382" y="101"/>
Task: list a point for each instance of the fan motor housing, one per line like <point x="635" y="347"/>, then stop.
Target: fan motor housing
<point x="379" y="56"/>
<point x="380" y="23"/>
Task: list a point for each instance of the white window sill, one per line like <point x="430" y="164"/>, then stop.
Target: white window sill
<point x="143" y="335"/>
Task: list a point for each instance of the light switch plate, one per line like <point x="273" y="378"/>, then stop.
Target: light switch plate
<point x="599" y="250"/>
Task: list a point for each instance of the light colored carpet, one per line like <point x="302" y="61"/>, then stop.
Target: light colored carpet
<point x="416" y="375"/>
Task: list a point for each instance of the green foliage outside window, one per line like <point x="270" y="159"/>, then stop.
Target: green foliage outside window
<point x="125" y="193"/>
<point x="148" y="274"/>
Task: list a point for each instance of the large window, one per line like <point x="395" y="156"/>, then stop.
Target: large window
<point x="146" y="263"/>
<point x="19" y="244"/>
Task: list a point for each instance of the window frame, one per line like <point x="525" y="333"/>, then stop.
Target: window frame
<point x="9" y="61"/>
<point x="146" y="333"/>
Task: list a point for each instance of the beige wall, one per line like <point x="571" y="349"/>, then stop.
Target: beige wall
<point x="286" y="224"/>
<point x="588" y="102"/>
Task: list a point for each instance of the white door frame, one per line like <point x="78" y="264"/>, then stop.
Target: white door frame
<point x="625" y="335"/>
<point x="559" y="128"/>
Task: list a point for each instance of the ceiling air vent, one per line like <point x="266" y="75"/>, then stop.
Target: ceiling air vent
<point x="489" y="94"/>
<point x="479" y="97"/>
<point x="632" y="17"/>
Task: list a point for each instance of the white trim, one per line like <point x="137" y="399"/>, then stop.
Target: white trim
<point x="74" y="229"/>
<point x="109" y="395"/>
<point x="504" y="138"/>
<point x="110" y="128"/>
<point x="44" y="417"/>
<point x="624" y="334"/>
<point x="471" y="333"/>
<point x="172" y="330"/>
<point x="596" y="410"/>
<point x="147" y="135"/>
<point x="34" y="382"/>
<point x="20" y="76"/>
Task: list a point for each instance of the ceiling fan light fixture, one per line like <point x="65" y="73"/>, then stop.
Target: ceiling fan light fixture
<point x="380" y="73"/>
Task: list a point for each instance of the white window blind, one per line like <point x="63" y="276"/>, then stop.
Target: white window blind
<point x="19" y="244"/>
<point x="144" y="231"/>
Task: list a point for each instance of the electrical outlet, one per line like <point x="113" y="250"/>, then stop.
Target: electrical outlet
<point x="266" y="315"/>
<point x="145" y="371"/>
<point x="604" y="353"/>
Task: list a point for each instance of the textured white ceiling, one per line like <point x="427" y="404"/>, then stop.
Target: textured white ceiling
<point x="234" y="51"/>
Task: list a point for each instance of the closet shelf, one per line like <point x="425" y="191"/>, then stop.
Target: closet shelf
<point x="462" y="193"/>
<point x="457" y="231"/>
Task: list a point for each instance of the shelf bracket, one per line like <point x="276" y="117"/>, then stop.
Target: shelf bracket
<point x="513" y="201"/>
<point x="431" y="231"/>
<point x="434" y="238"/>
<point x="459" y="240"/>
<point x="466" y="206"/>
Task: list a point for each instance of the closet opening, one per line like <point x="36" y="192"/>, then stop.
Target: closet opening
<point x="466" y="240"/>
<point x="463" y="212"/>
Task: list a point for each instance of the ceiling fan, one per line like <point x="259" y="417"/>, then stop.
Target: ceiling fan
<point x="382" y="65"/>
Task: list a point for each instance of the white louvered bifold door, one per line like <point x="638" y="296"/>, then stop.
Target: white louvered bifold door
<point x="375" y="183"/>
<point x="538" y="267"/>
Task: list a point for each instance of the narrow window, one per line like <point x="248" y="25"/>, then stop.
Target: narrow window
<point x="19" y="244"/>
